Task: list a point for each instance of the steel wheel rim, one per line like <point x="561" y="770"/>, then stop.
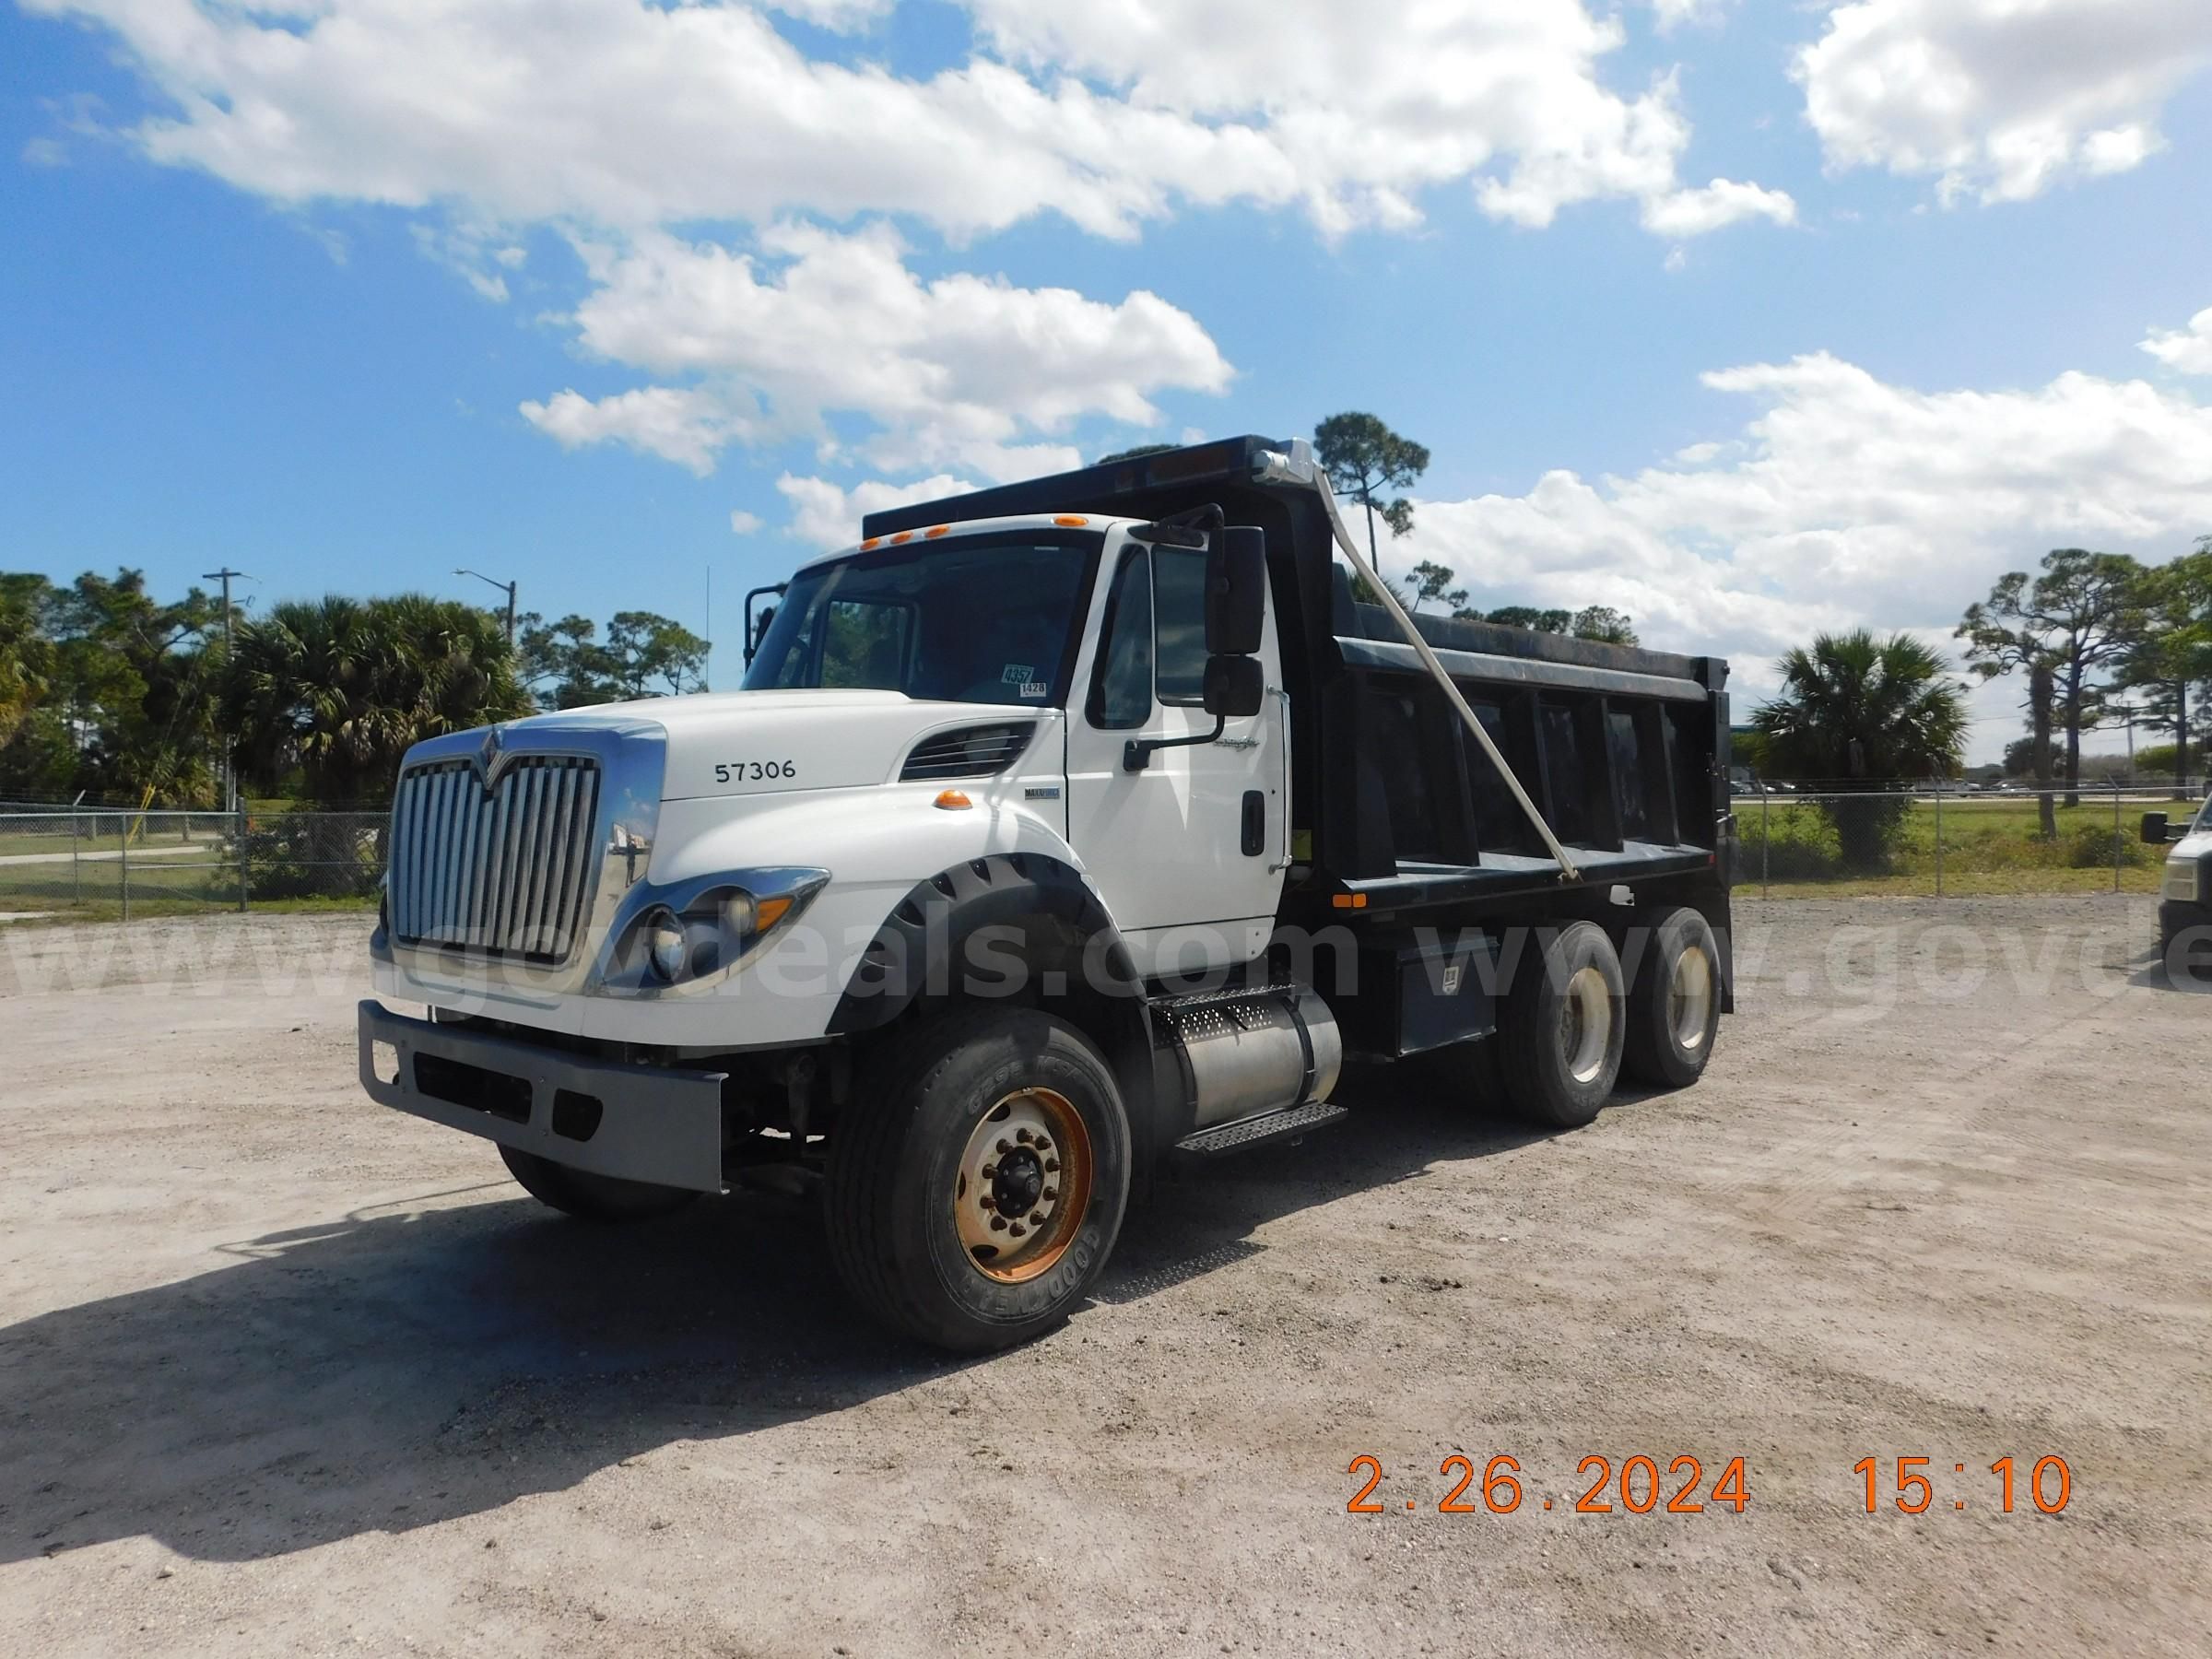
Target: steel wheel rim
<point x="1585" y="1024"/>
<point x="1690" y="998"/>
<point x="1023" y="1185"/>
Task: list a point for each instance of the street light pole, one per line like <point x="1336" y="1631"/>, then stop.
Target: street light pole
<point x="507" y="588"/>
<point x="226" y="576"/>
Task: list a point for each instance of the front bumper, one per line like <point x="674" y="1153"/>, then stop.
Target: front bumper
<point x="2177" y="916"/>
<point x="635" y="1122"/>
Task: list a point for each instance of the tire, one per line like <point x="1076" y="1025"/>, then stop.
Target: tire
<point x="590" y="1197"/>
<point x="1675" y="1004"/>
<point x="1008" y="1090"/>
<point x="1557" y="1063"/>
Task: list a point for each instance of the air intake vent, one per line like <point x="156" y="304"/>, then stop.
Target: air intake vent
<point x="977" y="751"/>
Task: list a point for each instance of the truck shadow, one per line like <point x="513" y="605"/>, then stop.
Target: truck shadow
<point x="439" y="1358"/>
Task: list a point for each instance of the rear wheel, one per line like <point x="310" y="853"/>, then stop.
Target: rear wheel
<point x="977" y="1179"/>
<point x="591" y="1197"/>
<point x="1560" y="1037"/>
<point x="1675" y="1004"/>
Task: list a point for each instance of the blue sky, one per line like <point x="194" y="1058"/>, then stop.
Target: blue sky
<point x="284" y="319"/>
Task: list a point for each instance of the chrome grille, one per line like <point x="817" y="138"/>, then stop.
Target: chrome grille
<point x="503" y="873"/>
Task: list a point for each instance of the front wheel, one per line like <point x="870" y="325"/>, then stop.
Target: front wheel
<point x="977" y="1179"/>
<point x="591" y="1197"/>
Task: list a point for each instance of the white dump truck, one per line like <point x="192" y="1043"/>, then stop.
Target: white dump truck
<point x="1061" y="834"/>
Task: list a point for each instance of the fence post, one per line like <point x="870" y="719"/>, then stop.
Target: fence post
<point x="125" y="858"/>
<point x="242" y="825"/>
<point x="1939" y="838"/>
<point x="1766" y="844"/>
<point x="76" y="869"/>
<point x="2117" y="848"/>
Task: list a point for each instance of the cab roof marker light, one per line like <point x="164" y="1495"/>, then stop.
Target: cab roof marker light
<point x="936" y="530"/>
<point x="900" y="539"/>
<point x="1074" y="521"/>
<point x="872" y="543"/>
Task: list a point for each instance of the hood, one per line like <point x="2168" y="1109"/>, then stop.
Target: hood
<point x="743" y="742"/>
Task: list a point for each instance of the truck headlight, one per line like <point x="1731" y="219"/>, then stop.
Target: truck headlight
<point x="667" y="947"/>
<point x="2182" y="879"/>
<point x="696" y="934"/>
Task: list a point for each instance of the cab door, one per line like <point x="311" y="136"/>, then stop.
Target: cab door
<point x="1189" y="852"/>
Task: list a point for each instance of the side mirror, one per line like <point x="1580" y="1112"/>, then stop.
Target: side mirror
<point x="2153" y="824"/>
<point x="1235" y="687"/>
<point x="1236" y="592"/>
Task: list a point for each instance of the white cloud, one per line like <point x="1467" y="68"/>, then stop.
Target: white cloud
<point x="1999" y="98"/>
<point x="826" y="514"/>
<point x="2187" y="351"/>
<point x="685" y="425"/>
<point x="1672" y="14"/>
<point x="1844" y="501"/>
<point x="1695" y="212"/>
<point x="623" y="113"/>
<point x="743" y="522"/>
<point x="966" y="371"/>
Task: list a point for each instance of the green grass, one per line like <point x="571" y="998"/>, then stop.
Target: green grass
<point x="1990" y="846"/>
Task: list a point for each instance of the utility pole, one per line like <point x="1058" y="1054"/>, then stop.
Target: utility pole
<point x="226" y="576"/>
<point x="507" y="588"/>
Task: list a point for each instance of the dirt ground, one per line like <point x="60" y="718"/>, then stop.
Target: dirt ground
<point x="282" y="1371"/>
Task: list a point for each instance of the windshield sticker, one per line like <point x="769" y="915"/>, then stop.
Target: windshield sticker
<point x="1018" y="673"/>
<point x="1032" y="689"/>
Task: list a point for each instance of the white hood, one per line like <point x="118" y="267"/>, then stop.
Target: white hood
<point x="771" y="742"/>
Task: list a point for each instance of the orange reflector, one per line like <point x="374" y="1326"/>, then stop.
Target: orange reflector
<point x="1349" y="901"/>
<point x="936" y="530"/>
<point x="871" y="543"/>
<point x="771" y="912"/>
<point x="1076" y="520"/>
<point x="952" y="800"/>
<point x="900" y="539"/>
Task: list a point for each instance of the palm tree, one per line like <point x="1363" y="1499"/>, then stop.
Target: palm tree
<point x="1857" y="712"/>
<point x="23" y="650"/>
<point x="342" y="688"/>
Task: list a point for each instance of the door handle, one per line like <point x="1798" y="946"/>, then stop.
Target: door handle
<point x="1254" y="840"/>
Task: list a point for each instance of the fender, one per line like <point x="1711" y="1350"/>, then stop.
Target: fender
<point x="948" y="937"/>
<point x="983" y="929"/>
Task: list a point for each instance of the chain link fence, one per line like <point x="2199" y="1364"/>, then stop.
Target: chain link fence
<point x="102" y="862"/>
<point x="1922" y="841"/>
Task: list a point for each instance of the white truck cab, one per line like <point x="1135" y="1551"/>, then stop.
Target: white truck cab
<point x="1057" y="836"/>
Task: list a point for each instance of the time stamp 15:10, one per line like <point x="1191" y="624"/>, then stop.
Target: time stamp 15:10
<point x="1903" y="1483"/>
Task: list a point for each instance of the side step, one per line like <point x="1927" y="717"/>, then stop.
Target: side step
<point x="1288" y="1123"/>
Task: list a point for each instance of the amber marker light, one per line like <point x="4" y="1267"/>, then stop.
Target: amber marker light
<point x="952" y="800"/>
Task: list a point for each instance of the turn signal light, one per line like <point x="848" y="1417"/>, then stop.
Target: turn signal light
<point x="1349" y="901"/>
<point x="952" y="800"/>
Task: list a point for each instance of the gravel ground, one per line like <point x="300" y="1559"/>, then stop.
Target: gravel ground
<point x="282" y="1371"/>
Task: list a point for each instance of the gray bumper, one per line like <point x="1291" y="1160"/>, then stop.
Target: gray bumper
<point x="637" y="1123"/>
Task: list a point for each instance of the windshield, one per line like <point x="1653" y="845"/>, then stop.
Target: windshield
<point x="983" y="620"/>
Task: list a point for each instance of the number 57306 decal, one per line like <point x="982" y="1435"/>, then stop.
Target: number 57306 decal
<point x="753" y="772"/>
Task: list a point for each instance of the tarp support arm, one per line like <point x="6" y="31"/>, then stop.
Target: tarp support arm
<point x="1320" y="481"/>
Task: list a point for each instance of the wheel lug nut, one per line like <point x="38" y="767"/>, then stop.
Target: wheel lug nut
<point x="1023" y="1135"/>
<point x="1006" y="1146"/>
<point x="990" y="1171"/>
<point x="1051" y="1194"/>
<point x="1052" y="1166"/>
<point x="1036" y="1219"/>
<point x="1017" y="1229"/>
<point x="998" y="1224"/>
<point x="1044" y="1145"/>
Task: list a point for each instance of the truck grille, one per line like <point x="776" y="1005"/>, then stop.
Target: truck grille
<point x="506" y="873"/>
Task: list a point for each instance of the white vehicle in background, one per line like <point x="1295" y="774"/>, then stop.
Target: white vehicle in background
<point x="2185" y="886"/>
<point x="1060" y="834"/>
